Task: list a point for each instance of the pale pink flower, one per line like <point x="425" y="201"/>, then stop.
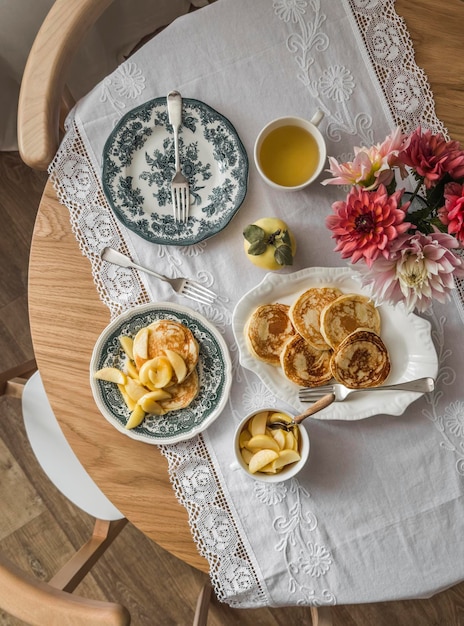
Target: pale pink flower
<point x="371" y="166"/>
<point x="454" y="210"/>
<point x="420" y="268"/>
<point x="366" y="224"/>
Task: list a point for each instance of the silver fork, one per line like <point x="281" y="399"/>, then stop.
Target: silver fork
<point x="340" y="392"/>
<point x="183" y="286"/>
<point x="180" y="193"/>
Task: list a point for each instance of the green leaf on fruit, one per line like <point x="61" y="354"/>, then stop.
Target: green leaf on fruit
<point x="283" y="255"/>
<point x="286" y="238"/>
<point x="257" y="248"/>
<point x="254" y="234"/>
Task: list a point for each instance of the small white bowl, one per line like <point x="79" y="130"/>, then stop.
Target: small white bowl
<point x="288" y="471"/>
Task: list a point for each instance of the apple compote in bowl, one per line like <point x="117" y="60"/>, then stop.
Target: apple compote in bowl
<point x="268" y="452"/>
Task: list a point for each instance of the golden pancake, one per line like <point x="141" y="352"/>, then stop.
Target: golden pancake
<point x="304" y="365"/>
<point x="182" y="394"/>
<point x="361" y="360"/>
<point x="171" y="335"/>
<point x="267" y="329"/>
<point x="305" y="314"/>
<point x="345" y="315"/>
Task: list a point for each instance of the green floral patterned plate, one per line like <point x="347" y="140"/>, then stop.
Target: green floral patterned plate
<point x="138" y="166"/>
<point x="214" y="369"/>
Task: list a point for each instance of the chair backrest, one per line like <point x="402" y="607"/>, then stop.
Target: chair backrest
<point x="53" y="604"/>
<point x="44" y="99"/>
<point x="38" y="603"/>
<point x="43" y="92"/>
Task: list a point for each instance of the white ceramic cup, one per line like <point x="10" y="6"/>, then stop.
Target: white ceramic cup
<point x="288" y="471"/>
<point x="312" y="128"/>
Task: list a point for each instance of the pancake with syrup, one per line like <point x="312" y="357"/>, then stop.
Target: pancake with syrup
<point x="305" y="314"/>
<point x="267" y="330"/>
<point x="361" y="360"/>
<point x="304" y="365"/>
<point x="346" y="314"/>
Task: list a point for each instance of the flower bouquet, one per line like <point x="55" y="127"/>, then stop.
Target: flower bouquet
<point x="408" y="243"/>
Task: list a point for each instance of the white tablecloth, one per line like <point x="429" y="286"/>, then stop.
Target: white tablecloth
<point x="377" y="513"/>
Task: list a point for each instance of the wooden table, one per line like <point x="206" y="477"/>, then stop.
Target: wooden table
<point x="67" y="316"/>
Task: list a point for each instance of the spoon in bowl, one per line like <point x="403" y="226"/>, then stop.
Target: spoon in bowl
<point x="314" y="408"/>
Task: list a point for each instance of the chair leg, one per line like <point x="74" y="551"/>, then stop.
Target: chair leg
<point x="71" y="574"/>
<point x="12" y="381"/>
<point x="321" y="616"/>
<point x="201" y="611"/>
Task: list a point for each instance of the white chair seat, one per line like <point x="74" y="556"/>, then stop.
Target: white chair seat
<point x="56" y="456"/>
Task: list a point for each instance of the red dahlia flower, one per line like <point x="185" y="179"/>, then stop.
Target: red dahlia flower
<point x="365" y="225"/>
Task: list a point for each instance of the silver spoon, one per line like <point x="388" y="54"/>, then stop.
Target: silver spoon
<point x="314" y="408"/>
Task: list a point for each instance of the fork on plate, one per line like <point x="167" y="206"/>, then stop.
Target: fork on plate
<point x="183" y="286"/>
<point x="340" y="392"/>
<point x="180" y="193"/>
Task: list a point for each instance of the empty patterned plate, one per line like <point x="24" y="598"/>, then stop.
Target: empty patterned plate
<point x="214" y="370"/>
<point x="138" y="166"/>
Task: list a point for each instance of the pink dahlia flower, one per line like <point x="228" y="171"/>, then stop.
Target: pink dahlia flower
<point x="454" y="210"/>
<point x="432" y="156"/>
<point x="420" y="268"/>
<point x="370" y="167"/>
<point x="366" y="224"/>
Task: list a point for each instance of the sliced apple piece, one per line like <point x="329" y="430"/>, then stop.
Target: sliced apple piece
<point x="286" y="457"/>
<point x="140" y="344"/>
<point x="127" y="344"/>
<point x="290" y="441"/>
<point x="134" y="389"/>
<point x="279" y="417"/>
<point x="178" y="364"/>
<point x="244" y="438"/>
<point x="279" y="436"/>
<point x="259" y="442"/>
<point x="135" y="418"/>
<point x="258" y="423"/>
<point x="160" y="372"/>
<point x="111" y="375"/>
<point x="150" y="402"/>
<point x="261" y="459"/>
<point x="246" y="455"/>
<point x="131" y="370"/>
<point x="127" y="399"/>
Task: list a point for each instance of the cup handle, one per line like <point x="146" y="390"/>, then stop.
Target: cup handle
<point x="234" y="466"/>
<point x="317" y="117"/>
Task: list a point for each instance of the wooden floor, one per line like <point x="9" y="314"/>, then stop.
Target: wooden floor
<point x="39" y="528"/>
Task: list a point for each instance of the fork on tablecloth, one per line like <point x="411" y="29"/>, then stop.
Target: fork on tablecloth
<point x="183" y="286"/>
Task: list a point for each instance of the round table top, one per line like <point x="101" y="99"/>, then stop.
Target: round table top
<point x="67" y="316"/>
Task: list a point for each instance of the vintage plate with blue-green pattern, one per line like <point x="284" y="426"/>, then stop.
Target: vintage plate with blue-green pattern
<point x="138" y="166"/>
<point x="214" y="370"/>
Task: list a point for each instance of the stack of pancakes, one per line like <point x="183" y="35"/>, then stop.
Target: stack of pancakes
<point x="165" y="335"/>
<point x="324" y="334"/>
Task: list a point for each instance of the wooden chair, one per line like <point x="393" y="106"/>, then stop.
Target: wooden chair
<point x="53" y="603"/>
<point x="44" y="99"/>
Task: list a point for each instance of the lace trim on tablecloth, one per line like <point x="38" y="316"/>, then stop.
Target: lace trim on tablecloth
<point x="384" y="38"/>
